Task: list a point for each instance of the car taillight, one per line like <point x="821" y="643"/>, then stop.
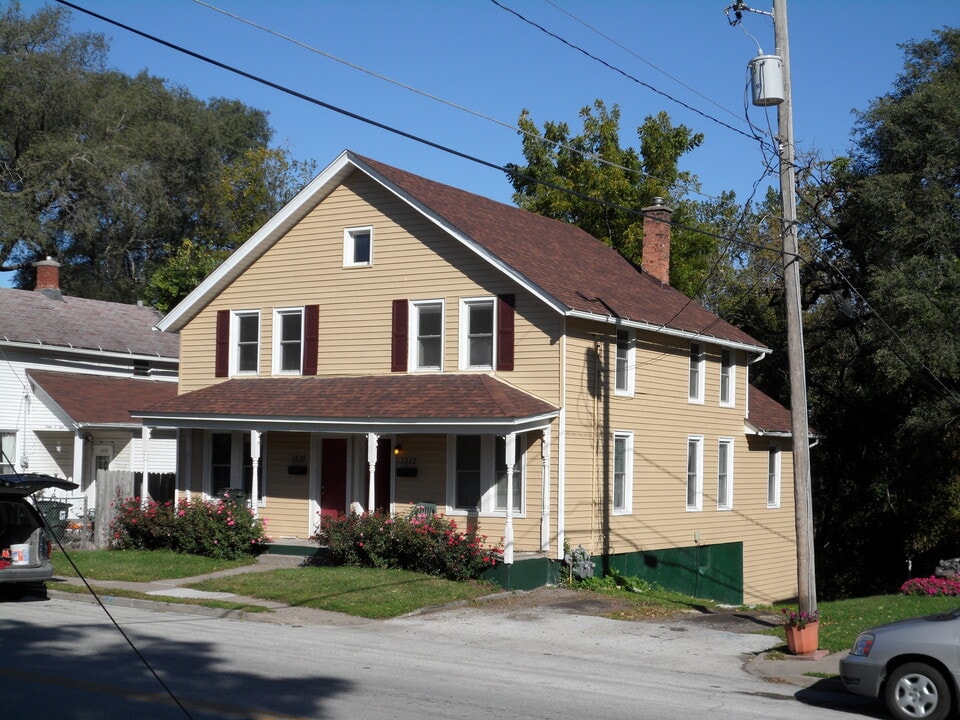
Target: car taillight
<point x="862" y="645"/>
<point x="49" y="548"/>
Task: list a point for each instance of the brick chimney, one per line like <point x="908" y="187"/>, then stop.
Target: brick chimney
<point x="656" y="240"/>
<point x="48" y="278"/>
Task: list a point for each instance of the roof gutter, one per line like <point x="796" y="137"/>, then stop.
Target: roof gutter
<point x="759" y="350"/>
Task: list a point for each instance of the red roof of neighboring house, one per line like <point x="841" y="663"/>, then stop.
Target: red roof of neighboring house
<point x="101" y="400"/>
<point x="28" y="316"/>
<point x="384" y="398"/>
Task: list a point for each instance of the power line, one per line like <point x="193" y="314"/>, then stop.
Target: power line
<point x="593" y="157"/>
<point x="625" y="74"/>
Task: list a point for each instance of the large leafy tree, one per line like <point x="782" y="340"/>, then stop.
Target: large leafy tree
<point x="591" y="181"/>
<point x="883" y="338"/>
<point x="108" y="173"/>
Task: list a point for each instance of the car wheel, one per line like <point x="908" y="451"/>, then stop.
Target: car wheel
<point x="916" y="690"/>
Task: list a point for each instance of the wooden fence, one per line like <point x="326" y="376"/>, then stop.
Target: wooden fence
<point x="119" y="484"/>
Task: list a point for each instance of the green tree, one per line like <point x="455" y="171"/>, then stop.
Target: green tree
<point x="591" y="181"/>
<point x="110" y="173"/>
<point x="883" y="343"/>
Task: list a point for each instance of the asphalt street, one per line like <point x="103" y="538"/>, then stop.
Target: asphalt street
<point x="63" y="659"/>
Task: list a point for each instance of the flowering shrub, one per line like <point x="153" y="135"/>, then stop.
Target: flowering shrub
<point x="931" y="586"/>
<point x="215" y="528"/>
<point x="430" y="544"/>
<point x="799" y="619"/>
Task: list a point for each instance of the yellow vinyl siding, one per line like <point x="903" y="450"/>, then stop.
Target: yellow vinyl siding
<point x="286" y="508"/>
<point x="412" y="260"/>
<point x="662" y="420"/>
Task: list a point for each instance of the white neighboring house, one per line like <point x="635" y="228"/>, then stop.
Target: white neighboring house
<point x="71" y="369"/>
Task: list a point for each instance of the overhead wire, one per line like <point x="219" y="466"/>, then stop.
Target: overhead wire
<point x="593" y="157"/>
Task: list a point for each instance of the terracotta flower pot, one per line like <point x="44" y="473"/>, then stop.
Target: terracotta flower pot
<point x="802" y="641"/>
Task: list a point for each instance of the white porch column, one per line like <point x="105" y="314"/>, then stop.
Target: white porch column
<point x="144" y="462"/>
<point x="255" y="463"/>
<point x="510" y="446"/>
<point x="78" y="444"/>
<point x="372" y="440"/>
<point x="545" y="491"/>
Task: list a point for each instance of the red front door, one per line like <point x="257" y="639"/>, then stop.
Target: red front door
<point x="333" y="477"/>
<point x="381" y="476"/>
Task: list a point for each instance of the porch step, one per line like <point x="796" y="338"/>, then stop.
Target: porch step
<point x="302" y="548"/>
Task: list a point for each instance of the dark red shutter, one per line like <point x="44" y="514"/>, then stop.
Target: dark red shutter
<point x="311" y="338"/>
<point x="506" y="305"/>
<point x="398" y="345"/>
<point x="222" y="362"/>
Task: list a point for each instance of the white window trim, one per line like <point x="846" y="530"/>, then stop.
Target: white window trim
<point x="278" y="314"/>
<point x="349" y="249"/>
<point x="776" y="453"/>
<point x="236" y="464"/>
<point x="235" y="316"/>
<point x="698" y="480"/>
<point x="414" y="334"/>
<point x="701" y="367"/>
<point x="464" y="354"/>
<point x="628" y="387"/>
<point x="731" y="378"/>
<point x="728" y="442"/>
<point x="488" y="495"/>
<point x="627" y="437"/>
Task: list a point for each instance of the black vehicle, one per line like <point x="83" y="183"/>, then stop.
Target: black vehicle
<point x="25" y="538"/>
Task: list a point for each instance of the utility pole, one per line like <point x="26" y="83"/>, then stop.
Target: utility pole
<point x="806" y="576"/>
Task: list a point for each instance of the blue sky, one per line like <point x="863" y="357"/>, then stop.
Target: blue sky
<point x="473" y="54"/>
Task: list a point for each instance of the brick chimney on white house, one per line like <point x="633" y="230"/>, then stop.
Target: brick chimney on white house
<point x="48" y="278"/>
<point x="656" y="240"/>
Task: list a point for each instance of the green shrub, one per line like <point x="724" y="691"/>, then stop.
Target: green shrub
<point x="224" y="529"/>
<point x="429" y="544"/>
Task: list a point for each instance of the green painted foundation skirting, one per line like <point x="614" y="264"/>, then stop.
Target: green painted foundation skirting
<point x="713" y="572"/>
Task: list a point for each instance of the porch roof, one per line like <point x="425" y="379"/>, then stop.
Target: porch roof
<point x="82" y="400"/>
<point x="378" y="403"/>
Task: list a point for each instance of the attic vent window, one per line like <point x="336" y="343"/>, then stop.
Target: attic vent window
<point x="358" y="247"/>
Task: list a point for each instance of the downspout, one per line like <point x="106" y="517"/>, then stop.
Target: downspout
<point x="545" y="490"/>
<point x="562" y="447"/>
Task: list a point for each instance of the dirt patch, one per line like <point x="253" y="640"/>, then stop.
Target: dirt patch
<point x="618" y="607"/>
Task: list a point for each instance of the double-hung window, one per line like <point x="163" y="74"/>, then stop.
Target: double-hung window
<point x="624" y="370"/>
<point x="246" y="342"/>
<point x="773" y="476"/>
<point x="8" y="452"/>
<point x="477" y="333"/>
<point x="695" y="391"/>
<point x="288" y="341"/>
<point x="622" y="472"/>
<point x="695" y="472"/>
<point x="230" y="467"/>
<point x="725" y="474"/>
<point x="727" y="385"/>
<point x="427" y="327"/>
<point x="358" y="247"/>
<point x="478" y="471"/>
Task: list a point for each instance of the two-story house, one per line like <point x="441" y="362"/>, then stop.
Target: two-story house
<point x="70" y="370"/>
<point x="386" y="340"/>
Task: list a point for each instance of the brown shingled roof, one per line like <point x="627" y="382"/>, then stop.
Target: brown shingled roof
<point x="571" y="265"/>
<point x="766" y="414"/>
<point x="32" y="317"/>
<point x="386" y="398"/>
<point x="100" y="400"/>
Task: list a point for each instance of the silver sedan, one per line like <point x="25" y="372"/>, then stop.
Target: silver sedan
<point x="914" y="665"/>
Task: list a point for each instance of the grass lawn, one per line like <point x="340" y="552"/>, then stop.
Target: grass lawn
<point x="365" y="592"/>
<point x="138" y="565"/>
